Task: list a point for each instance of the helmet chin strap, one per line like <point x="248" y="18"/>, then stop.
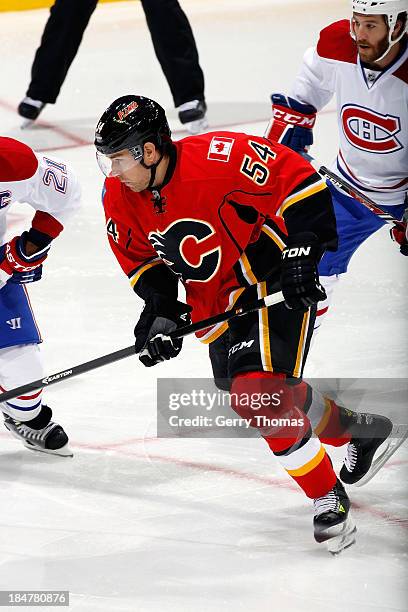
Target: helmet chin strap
<point x="152" y="169"/>
<point x="391" y="43"/>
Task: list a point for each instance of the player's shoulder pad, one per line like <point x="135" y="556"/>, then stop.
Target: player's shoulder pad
<point x="402" y="72"/>
<point x="335" y="43"/>
<point x="17" y="161"/>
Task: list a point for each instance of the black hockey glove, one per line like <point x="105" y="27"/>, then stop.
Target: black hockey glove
<point x="299" y="276"/>
<point x="161" y="315"/>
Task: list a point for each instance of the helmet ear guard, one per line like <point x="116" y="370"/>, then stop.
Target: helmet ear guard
<point x="391" y="9"/>
<point x="136" y="152"/>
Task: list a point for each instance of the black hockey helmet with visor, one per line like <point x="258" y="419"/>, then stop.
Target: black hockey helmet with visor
<point x="126" y="125"/>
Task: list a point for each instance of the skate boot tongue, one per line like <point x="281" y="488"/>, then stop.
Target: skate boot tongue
<point x="326" y="504"/>
<point x="350" y="459"/>
<point x="328" y="509"/>
<point x="332" y="523"/>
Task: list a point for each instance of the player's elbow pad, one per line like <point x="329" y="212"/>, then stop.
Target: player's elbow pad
<point x="157" y="280"/>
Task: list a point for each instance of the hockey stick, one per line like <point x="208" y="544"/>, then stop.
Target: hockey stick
<point x="180" y="332"/>
<point x="363" y="199"/>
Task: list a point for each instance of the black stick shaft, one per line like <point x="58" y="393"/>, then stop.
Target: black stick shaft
<point x="99" y="362"/>
<point x="365" y="200"/>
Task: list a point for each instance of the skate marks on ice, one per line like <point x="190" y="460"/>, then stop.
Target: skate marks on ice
<point x="151" y="462"/>
<point x="159" y="519"/>
<point x="43" y="135"/>
<point x="55" y="135"/>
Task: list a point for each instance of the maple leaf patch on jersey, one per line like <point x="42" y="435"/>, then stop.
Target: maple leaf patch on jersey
<point x="220" y="148"/>
<point x="190" y="248"/>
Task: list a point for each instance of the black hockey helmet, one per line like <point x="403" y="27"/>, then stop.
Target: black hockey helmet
<point x="128" y="123"/>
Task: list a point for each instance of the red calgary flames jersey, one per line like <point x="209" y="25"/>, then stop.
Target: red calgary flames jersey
<point x="228" y="194"/>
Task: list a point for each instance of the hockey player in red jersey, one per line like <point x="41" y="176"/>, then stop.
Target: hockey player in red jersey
<point x="49" y="186"/>
<point x="232" y="217"/>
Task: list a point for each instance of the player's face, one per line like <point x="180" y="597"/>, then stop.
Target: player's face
<point x="371" y="33"/>
<point x="129" y="171"/>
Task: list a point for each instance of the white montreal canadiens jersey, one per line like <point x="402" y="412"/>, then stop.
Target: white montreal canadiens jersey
<point x="372" y="114"/>
<point x="46" y="183"/>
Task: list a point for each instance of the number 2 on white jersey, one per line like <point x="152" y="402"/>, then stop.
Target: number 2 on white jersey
<point x="55" y="174"/>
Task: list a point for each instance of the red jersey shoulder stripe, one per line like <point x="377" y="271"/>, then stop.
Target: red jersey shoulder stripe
<point x="402" y="72"/>
<point x="17" y="161"/>
<point x="336" y="43"/>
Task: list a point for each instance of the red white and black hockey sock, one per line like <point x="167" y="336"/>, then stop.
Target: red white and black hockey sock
<point x="285" y="428"/>
<point x="323" y="414"/>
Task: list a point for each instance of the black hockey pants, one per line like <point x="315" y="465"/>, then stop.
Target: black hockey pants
<point x="171" y="34"/>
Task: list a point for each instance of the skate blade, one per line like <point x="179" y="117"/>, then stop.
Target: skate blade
<point x="339" y="537"/>
<point x="27" y="124"/>
<point x="64" y="451"/>
<point x="398" y="435"/>
<point x="196" y="127"/>
<point x="342" y="542"/>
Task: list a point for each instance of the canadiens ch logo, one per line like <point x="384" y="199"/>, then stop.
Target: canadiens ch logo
<point x="190" y="248"/>
<point x="370" y="131"/>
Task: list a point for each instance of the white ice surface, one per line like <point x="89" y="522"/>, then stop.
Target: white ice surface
<point x="135" y="523"/>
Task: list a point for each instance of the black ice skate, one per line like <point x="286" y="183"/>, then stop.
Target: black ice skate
<point x="369" y="432"/>
<point x="332" y="522"/>
<point x="30" y="110"/>
<point x="192" y="115"/>
<point x="51" y="439"/>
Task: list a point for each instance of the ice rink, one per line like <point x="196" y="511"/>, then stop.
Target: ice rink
<point x="134" y="523"/>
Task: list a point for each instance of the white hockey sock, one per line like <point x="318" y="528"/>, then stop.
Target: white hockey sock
<point x="19" y="365"/>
